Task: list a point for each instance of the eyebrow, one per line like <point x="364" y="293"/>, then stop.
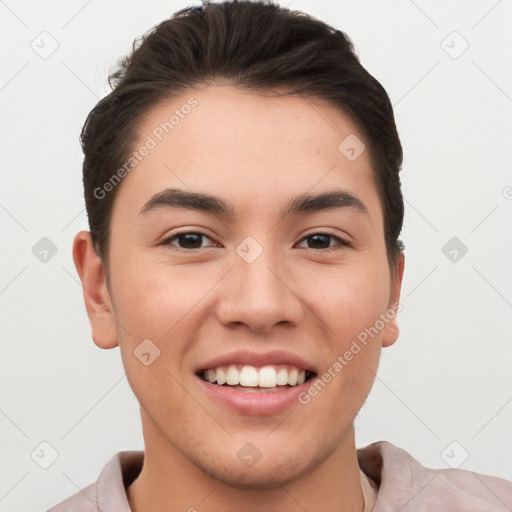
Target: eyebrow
<point x="304" y="203"/>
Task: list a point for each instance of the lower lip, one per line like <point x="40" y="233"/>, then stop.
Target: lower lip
<point x="256" y="403"/>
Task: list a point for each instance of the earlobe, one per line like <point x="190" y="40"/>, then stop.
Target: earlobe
<point x="96" y="295"/>
<point x="391" y="331"/>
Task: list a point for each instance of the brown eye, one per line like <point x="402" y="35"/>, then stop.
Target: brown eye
<point x="322" y="241"/>
<point x="187" y="241"/>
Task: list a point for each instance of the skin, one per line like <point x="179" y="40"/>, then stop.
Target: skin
<point x="256" y="152"/>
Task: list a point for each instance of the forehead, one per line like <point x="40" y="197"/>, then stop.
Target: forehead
<point x="255" y="146"/>
<point x="259" y="123"/>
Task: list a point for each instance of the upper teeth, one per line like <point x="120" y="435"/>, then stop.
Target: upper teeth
<point x="264" y="377"/>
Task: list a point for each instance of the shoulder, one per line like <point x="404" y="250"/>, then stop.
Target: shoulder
<point x="85" y="500"/>
<point x="109" y="491"/>
<point x="407" y="485"/>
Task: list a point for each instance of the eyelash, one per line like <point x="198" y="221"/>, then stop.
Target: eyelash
<point x="340" y="241"/>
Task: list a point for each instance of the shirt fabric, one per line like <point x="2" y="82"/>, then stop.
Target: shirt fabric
<point x="402" y="483"/>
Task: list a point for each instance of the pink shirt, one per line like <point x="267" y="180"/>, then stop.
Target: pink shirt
<point x="403" y="485"/>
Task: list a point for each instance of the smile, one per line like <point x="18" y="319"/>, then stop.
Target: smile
<point x="253" y="379"/>
<point x="255" y="383"/>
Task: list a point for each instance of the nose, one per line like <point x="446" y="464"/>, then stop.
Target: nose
<point x="259" y="295"/>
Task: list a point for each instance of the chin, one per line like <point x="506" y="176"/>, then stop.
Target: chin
<point x="263" y="476"/>
<point x="269" y="473"/>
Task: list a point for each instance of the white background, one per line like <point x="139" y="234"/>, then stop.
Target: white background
<point x="448" y="378"/>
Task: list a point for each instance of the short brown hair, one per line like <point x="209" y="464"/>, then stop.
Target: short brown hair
<point x="252" y="45"/>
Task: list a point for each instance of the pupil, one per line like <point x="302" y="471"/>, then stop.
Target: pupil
<point x="324" y="238"/>
<point x="189" y="239"/>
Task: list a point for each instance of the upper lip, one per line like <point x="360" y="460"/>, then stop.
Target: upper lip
<point x="256" y="359"/>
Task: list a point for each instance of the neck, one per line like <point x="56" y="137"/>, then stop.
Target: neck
<point x="170" y="482"/>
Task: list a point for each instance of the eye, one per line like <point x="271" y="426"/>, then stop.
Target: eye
<point x="322" y="241"/>
<point x="188" y="240"/>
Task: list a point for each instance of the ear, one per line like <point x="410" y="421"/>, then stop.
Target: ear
<point x="96" y="295"/>
<point x="391" y="331"/>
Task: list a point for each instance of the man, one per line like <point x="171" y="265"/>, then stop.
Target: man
<point x="243" y="192"/>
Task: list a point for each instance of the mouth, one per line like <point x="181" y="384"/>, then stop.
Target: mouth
<point x="254" y="383"/>
<point x="256" y="379"/>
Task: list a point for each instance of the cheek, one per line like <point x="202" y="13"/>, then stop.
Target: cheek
<point x="351" y="305"/>
<point x="148" y="308"/>
<point x="351" y="299"/>
<point x="151" y="304"/>
<point x="151" y="299"/>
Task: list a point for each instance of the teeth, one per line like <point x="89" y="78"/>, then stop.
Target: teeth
<point x="232" y="376"/>
<point x="249" y="376"/>
<point x="221" y="376"/>
<point x="252" y="377"/>
<point x="292" y="377"/>
<point x="282" y="377"/>
<point x="267" y="377"/>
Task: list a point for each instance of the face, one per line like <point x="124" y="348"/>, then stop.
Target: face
<point x="258" y="283"/>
